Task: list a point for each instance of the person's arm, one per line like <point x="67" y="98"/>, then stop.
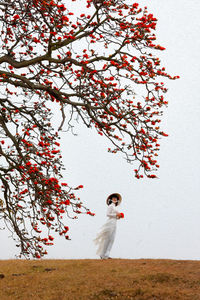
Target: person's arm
<point x="112" y="212"/>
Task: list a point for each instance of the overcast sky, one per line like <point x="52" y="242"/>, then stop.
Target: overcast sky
<point x="161" y="216"/>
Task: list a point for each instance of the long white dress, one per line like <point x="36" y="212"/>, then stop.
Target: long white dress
<point x="106" y="236"/>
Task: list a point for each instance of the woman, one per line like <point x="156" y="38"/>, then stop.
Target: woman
<point x="106" y="236"/>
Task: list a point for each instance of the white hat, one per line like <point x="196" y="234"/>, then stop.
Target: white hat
<point x="114" y="195"/>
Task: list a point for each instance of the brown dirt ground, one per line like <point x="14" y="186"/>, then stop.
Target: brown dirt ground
<point x="120" y="279"/>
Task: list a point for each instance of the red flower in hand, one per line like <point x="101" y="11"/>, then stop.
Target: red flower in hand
<point x="121" y="215"/>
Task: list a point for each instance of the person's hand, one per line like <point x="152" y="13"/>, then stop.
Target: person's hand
<point x="118" y="215"/>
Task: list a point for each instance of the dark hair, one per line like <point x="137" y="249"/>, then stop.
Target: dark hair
<point x="113" y="196"/>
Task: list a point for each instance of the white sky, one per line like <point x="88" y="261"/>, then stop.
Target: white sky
<point x="161" y="216"/>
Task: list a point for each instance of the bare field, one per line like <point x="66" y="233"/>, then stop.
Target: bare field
<point x="120" y="279"/>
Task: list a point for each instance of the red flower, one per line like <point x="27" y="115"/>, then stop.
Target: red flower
<point x="164" y="134"/>
<point x="67" y="202"/>
<point x="79" y="187"/>
<point x="51" y="238"/>
<point x="111" y="109"/>
<point x="90" y="213"/>
<point x="16" y="17"/>
<point x="121" y="215"/>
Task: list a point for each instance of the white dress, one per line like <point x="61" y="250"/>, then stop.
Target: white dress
<point x="106" y="236"/>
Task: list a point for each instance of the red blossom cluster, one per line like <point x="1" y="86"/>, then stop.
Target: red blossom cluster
<point x="99" y="66"/>
<point x="32" y="188"/>
<point x="122" y="215"/>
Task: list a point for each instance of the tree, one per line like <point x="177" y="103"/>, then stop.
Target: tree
<point x="98" y="66"/>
